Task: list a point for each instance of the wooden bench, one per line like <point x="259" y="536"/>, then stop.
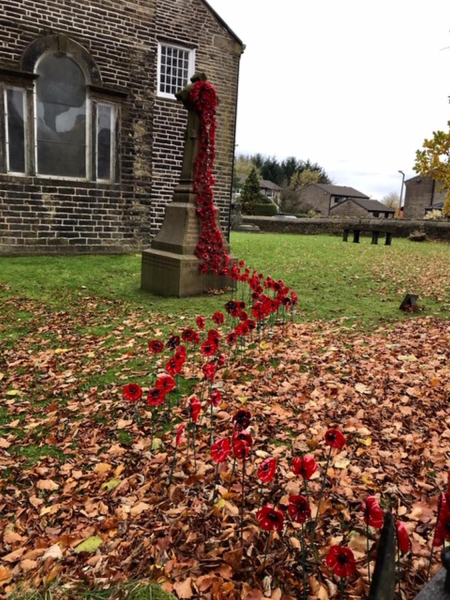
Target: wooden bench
<point x="375" y="236"/>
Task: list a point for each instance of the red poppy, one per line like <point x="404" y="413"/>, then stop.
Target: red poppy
<point x="221" y="359"/>
<point x="188" y="335"/>
<point x="132" y="392"/>
<point x="243" y="315"/>
<point x="166" y="383"/>
<point x="215" y="399"/>
<point x="209" y="348"/>
<point x="195" y="407"/>
<point x="244" y="436"/>
<point x="231" y="338"/>
<point x="156" y="346"/>
<point x="213" y="336"/>
<point x="335" y="439"/>
<point x="404" y="543"/>
<point x="269" y="518"/>
<point x="201" y="322"/>
<point x="305" y="466"/>
<point x="299" y="509"/>
<point x="341" y="561"/>
<point x="220" y="450"/>
<point x="181" y="352"/>
<point x="209" y="370"/>
<point x="240" y="449"/>
<point x="156" y="397"/>
<point x="218" y="318"/>
<point x="241" y="419"/>
<point x="373" y="514"/>
<point x="173" y="342"/>
<point x="174" y="365"/>
<point x="180" y="432"/>
<point x="267" y="469"/>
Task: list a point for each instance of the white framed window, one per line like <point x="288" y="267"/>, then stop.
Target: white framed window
<point x="105" y="153"/>
<point x="176" y="65"/>
<point x="15" y="130"/>
<point x="62" y="119"/>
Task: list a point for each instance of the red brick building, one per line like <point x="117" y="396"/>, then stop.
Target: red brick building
<point x="91" y="135"/>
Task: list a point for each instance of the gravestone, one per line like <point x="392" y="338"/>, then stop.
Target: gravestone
<point x="170" y="266"/>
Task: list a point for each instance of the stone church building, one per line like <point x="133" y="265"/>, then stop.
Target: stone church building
<point x="91" y="135"/>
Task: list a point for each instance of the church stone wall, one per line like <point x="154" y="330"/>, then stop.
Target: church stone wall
<point x="43" y="215"/>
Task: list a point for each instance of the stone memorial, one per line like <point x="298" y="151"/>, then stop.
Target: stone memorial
<point x="171" y="266"/>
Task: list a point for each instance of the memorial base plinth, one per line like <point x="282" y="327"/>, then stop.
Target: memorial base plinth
<point x="168" y="274"/>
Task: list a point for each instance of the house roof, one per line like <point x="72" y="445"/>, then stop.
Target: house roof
<point x="368" y="204"/>
<point x="269" y="185"/>
<point x="222" y="22"/>
<point x="437" y="206"/>
<point x="340" y="190"/>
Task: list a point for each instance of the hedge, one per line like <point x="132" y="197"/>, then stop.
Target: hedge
<point x="264" y="210"/>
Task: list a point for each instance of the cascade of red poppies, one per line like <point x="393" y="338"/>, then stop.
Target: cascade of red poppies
<point x="210" y="248"/>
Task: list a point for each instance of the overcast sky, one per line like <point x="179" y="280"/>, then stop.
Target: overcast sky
<point x="355" y="85"/>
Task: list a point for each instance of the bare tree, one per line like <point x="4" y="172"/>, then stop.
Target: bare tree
<point x="391" y="200"/>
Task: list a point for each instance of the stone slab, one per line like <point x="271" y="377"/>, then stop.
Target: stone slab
<point x="168" y="274"/>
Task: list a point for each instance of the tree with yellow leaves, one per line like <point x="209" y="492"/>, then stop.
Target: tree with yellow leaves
<point x="434" y="161"/>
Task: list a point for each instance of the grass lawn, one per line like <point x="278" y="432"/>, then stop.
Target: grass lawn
<point x="356" y="282"/>
<point x="74" y="464"/>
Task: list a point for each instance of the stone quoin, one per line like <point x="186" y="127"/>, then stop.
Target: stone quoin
<point x="89" y="161"/>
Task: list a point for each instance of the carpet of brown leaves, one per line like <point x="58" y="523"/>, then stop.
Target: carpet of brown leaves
<point x="388" y="390"/>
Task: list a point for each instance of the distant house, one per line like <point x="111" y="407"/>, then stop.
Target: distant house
<point x="360" y="207"/>
<point x="323" y="197"/>
<point x="422" y="196"/>
<point x="269" y="188"/>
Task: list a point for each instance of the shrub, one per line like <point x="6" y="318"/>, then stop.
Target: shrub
<point x="312" y="214"/>
<point x="265" y="210"/>
<point x="433" y="215"/>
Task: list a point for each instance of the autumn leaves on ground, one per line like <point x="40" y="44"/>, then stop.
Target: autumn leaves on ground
<point x="76" y="466"/>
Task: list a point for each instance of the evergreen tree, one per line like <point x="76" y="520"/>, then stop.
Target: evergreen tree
<point x="251" y="192"/>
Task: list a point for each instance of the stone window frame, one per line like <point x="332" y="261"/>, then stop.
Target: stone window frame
<point x="114" y="127"/>
<point x="6" y="128"/>
<point x="191" y="67"/>
<point x="24" y="78"/>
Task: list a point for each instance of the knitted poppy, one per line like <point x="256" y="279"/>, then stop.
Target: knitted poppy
<point x="305" y="466"/>
<point x="195" y="408"/>
<point x="299" y="509"/>
<point x="241" y="419"/>
<point x="267" y="469"/>
<point x="221" y="359"/>
<point x="173" y="342"/>
<point x="174" y="366"/>
<point x="373" y="514"/>
<point x="155" y="346"/>
<point x="231" y="338"/>
<point x="215" y="399"/>
<point x="201" y="322"/>
<point x="209" y="370"/>
<point x="269" y="518"/>
<point x="341" y="561"/>
<point x="155" y="397"/>
<point x="180" y="432"/>
<point x="240" y="449"/>
<point x="221" y="450"/>
<point x="404" y="543"/>
<point x="218" y="318"/>
<point x="244" y="436"/>
<point x="208" y="348"/>
<point x="188" y="335"/>
<point x="335" y="439"/>
<point x="166" y="383"/>
<point x="132" y="392"/>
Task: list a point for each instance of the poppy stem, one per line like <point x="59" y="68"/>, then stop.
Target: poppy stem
<point x="324" y="479"/>
<point x="399" y="569"/>
<point x="195" y="450"/>
<point x="211" y="423"/>
<point x="266" y="550"/>
<point x="152" y="428"/>
<point x="304" y="561"/>
<point x="215" y="482"/>
<point x="368" y="552"/>
<point x="136" y="415"/>
<point x="173" y="465"/>
<point x="177" y="389"/>
<point x="260" y="494"/>
<point x="307" y="492"/>
<point x="234" y="469"/>
<point x="342" y="588"/>
<point x="242" y="503"/>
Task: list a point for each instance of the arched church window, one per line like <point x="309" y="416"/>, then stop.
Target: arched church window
<point x="61" y="118"/>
